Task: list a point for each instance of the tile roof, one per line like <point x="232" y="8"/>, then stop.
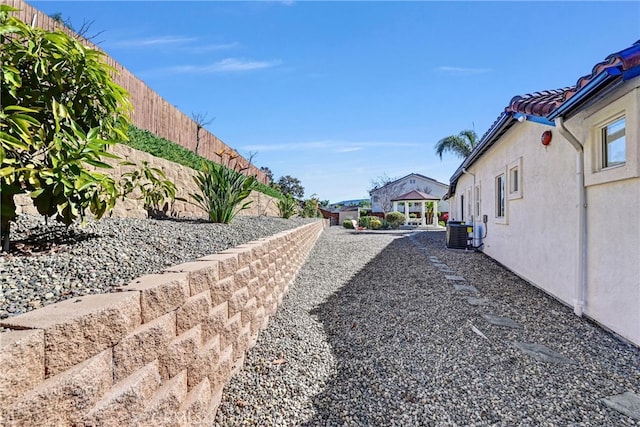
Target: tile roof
<point x="415" y="195"/>
<point x="545" y="102"/>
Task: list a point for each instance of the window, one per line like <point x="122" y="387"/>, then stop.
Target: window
<point x="614" y="144"/>
<point x="469" y="201"/>
<point x="375" y="199"/>
<point x="500" y="196"/>
<point x="412" y="181"/>
<point x="515" y="179"/>
<point x="477" y="199"/>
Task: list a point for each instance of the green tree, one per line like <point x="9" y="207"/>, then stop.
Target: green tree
<point x="60" y="110"/>
<point x="289" y="185"/>
<point x="461" y="145"/>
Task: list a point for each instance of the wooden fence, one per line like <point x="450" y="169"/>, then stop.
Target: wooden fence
<point x="150" y="111"/>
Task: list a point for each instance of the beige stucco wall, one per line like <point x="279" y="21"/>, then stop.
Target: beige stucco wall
<point x="181" y="176"/>
<point x="157" y="353"/>
<point x="538" y="237"/>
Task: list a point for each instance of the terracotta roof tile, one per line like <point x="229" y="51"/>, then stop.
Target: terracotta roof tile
<point x="543" y="103"/>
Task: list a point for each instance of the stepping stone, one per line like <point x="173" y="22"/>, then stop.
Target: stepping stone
<point x="455" y="278"/>
<point x="434" y="259"/>
<point x="446" y="271"/>
<point x="440" y="266"/>
<point x="464" y="288"/>
<point x="501" y="321"/>
<point x="542" y="353"/>
<point x="627" y="403"/>
<point x="478" y="301"/>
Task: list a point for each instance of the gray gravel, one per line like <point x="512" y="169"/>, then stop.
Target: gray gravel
<point x="49" y="263"/>
<point x="372" y="333"/>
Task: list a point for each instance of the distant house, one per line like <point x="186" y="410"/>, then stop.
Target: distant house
<point x="554" y="187"/>
<point x="407" y="194"/>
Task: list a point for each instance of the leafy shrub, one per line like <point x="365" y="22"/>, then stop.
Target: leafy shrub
<point x="413" y="215"/>
<point x="365" y="221"/>
<point x="310" y="209"/>
<point x="347" y="223"/>
<point x="60" y="112"/>
<point x="223" y="188"/>
<point x="375" y="224"/>
<point x="395" y="219"/>
<point x="155" y="189"/>
<point x="287" y="207"/>
<point x="160" y="147"/>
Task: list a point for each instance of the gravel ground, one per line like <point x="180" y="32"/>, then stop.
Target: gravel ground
<point x="372" y="333"/>
<point x="49" y="263"/>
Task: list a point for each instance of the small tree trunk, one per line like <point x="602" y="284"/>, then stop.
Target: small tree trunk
<point x="7" y="204"/>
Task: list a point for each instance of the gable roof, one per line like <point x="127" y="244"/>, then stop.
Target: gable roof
<point x="415" y="195"/>
<point x="407" y="176"/>
<point x="545" y="106"/>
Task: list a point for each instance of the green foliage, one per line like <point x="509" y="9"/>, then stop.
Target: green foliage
<point x="289" y="185"/>
<point x="413" y="215"/>
<point x="310" y="208"/>
<point x="149" y="143"/>
<point x="60" y="112"/>
<point x="347" y="223"/>
<point x="370" y="222"/>
<point x="395" y="219"/>
<point x="223" y="189"/>
<point x="375" y="224"/>
<point x="287" y="207"/>
<point x="153" y="187"/>
<point x="461" y="145"/>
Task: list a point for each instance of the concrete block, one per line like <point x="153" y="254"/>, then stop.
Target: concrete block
<point x="242" y="277"/>
<point x="231" y="331"/>
<point x="223" y="290"/>
<point x="64" y="398"/>
<point x="179" y="353"/>
<point x="163" y="408"/>
<point x="126" y="401"/>
<point x="160" y="293"/>
<point x="143" y="345"/>
<point x="242" y="342"/>
<point x="196" y="403"/>
<point x="238" y="300"/>
<point x="256" y="268"/>
<point x="227" y="263"/>
<point x="257" y="322"/>
<point x="203" y="362"/>
<point x="214" y="324"/>
<point x="222" y="372"/>
<point x="79" y="328"/>
<point x="249" y="310"/>
<point x="193" y="312"/>
<point x="202" y="275"/>
<point x="21" y="362"/>
<point x="253" y="286"/>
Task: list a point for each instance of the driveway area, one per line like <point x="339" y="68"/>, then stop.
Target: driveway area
<point x="391" y="328"/>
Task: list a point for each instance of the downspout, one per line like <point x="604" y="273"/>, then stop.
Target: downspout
<point x="581" y="191"/>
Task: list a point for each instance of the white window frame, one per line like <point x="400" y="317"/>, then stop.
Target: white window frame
<point x="514" y="179"/>
<point x="604" y="144"/>
<point x="477" y="198"/>
<point x="500" y="219"/>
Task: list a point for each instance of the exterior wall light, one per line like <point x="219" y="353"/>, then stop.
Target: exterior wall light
<point x="546" y="137"/>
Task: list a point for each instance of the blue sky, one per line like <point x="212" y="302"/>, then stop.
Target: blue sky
<point x="339" y="93"/>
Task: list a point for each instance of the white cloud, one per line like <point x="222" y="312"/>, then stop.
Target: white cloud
<point x="463" y="70"/>
<point x="214" y="47"/>
<point x="225" y="65"/>
<point x="348" y="149"/>
<point x="156" y="41"/>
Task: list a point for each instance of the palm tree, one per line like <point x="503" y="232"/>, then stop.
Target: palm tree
<point x="461" y="144"/>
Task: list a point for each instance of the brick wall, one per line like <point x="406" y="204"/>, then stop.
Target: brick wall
<point x="157" y="353"/>
<point x="181" y="176"/>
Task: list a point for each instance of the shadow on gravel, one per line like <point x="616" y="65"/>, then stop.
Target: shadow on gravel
<point x="49" y="241"/>
<point x="406" y="353"/>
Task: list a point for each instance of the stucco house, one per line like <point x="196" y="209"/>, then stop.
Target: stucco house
<point x="553" y="190"/>
<point x="413" y="194"/>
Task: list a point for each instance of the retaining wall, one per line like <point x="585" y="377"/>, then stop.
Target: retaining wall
<point x="181" y="176"/>
<point x="157" y="353"/>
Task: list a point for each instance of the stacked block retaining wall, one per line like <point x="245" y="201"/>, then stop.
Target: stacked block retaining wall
<point x="157" y="353"/>
<point x="180" y="175"/>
